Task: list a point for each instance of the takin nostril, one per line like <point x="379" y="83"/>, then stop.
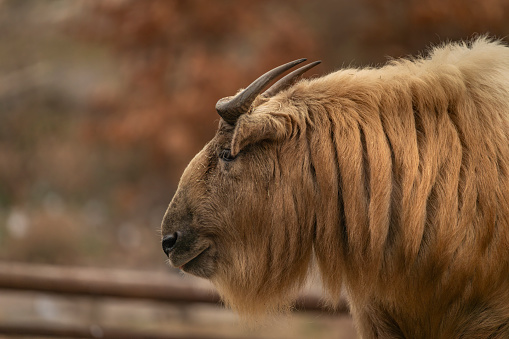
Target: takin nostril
<point x="169" y="242"/>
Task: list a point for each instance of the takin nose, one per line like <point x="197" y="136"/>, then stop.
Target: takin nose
<point x="169" y="242"/>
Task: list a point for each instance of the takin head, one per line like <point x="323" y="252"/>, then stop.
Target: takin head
<point x="240" y="216"/>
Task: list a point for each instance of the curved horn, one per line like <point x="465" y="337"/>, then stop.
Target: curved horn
<point x="288" y="80"/>
<point x="230" y="108"/>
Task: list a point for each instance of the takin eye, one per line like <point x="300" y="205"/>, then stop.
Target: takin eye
<point x="226" y="155"/>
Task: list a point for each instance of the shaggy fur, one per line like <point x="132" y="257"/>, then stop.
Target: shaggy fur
<point x="394" y="179"/>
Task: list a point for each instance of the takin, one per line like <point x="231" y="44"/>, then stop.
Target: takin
<point x="393" y="182"/>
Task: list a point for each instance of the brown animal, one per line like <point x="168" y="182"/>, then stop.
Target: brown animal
<point x="395" y="181"/>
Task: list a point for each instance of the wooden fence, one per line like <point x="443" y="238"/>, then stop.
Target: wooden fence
<point x="112" y="283"/>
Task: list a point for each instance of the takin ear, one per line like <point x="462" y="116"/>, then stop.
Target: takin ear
<point x="254" y="127"/>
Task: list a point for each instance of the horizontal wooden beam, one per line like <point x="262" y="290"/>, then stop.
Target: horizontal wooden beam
<point x="123" y="284"/>
<point x="101" y="283"/>
<point x="59" y="331"/>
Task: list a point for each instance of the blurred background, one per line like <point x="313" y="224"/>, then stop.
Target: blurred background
<point x="103" y="103"/>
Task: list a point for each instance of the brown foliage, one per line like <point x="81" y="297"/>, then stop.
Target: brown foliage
<point x="407" y="26"/>
<point x="178" y="58"/>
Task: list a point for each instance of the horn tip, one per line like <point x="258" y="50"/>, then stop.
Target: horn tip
<point x="298" y="61"/>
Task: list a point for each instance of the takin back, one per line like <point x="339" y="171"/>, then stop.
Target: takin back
<point x="392" y="181"/>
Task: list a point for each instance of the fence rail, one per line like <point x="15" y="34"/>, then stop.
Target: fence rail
<point x="102" y="283"/>
<point x="113" y="283"/>
<point x="94" y="331"/>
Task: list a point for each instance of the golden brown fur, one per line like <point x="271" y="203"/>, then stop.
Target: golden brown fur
<point x="397" y="180"/>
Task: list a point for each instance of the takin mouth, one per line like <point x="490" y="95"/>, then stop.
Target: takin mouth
<point x="203" y="265"/>
<point x="182" y="263"/>
<point x="194" y="259"/>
